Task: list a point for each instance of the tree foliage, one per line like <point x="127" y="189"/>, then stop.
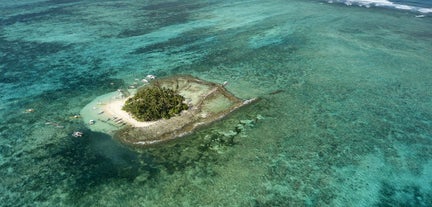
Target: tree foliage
<point x="153" y="103"/>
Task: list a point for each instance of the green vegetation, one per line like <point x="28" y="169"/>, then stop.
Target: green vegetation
<point x="153" y="103"/>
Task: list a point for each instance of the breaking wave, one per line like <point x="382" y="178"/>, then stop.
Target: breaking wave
<point x="384" y="3"/>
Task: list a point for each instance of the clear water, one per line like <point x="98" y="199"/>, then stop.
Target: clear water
<point x="345" y="116"/>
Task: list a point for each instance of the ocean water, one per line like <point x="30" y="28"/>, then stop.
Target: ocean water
<point x="344" y="117"/>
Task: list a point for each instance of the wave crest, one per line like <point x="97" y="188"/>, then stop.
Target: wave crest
<point x="384" y="3"/>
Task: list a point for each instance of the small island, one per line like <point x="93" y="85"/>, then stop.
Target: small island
<point x="165" y="109"/>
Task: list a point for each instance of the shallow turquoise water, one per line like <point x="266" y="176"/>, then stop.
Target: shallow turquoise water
<point x="345" y="116"/>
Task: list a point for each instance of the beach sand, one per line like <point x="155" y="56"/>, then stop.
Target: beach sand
<point x="114" y="109"/>
<point x="107" y="114"/>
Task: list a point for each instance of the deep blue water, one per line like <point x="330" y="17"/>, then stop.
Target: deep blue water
<point x="344" y="117"/>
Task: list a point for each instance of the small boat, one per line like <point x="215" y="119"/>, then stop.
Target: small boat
<point x="151" y="77"/>
<point x="77" y="134"/>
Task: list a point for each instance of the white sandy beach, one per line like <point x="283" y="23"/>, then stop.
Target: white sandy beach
<point x="113" y="109"/>
<point x="107" y="114"/>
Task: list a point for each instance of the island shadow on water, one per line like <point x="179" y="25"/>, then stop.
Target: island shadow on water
<point x="207" y="101"/>
<point x="95" y="159"/>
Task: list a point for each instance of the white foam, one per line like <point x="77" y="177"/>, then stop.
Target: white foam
<point x="425" y="10"/>
<point x="384" y="3"/>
